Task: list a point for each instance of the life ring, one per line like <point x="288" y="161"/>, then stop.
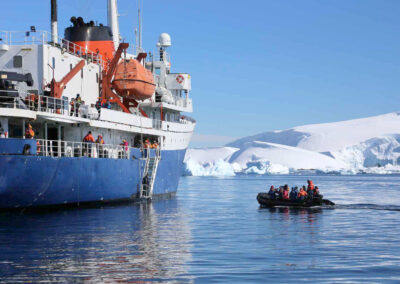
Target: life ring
<point x="180" y="79"/>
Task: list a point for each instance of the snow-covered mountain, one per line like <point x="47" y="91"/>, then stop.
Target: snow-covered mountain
<point x="361" y="145"/>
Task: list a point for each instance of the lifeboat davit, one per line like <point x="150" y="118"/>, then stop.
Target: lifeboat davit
<point x="132" y="80"/>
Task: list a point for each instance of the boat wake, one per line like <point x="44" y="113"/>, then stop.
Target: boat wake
<point x="368" y="207"/>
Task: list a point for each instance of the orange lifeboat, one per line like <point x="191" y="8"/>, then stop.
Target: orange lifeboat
<point x="132" y="80"/>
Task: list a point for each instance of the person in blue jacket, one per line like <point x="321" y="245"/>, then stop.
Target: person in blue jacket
<point x="293" y="194"/>
<point x="272" y="192"/>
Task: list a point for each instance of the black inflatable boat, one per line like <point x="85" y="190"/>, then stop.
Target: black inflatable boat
<point x="265" y="201"/>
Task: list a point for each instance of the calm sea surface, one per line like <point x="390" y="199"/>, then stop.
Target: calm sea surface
<point x="215" y="232"/>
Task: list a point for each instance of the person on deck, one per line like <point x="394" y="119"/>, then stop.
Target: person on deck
<point x="88" y="138"/>
<point x="78" y="102"/>
<point x="29" y="133"/>
<point x="293" y="194"/>
<point x="302" y="194"/>
<point x="98" y="105"/>
<point x="100" y="141"/>
<point x="87" y="147"/>
<point x="271" y="192"/>
<point x="2" y="133"/>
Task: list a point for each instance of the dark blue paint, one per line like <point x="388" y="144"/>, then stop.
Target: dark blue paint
<point x="37" y="181"/>
<point x="16" y="146"/>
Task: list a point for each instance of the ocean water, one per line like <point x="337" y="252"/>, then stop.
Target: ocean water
<point x="213" y="231"/>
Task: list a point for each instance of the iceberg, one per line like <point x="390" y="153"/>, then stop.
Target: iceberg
<point x="367" y="145"/>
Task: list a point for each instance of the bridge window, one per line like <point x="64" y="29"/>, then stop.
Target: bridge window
<point x="17" y="61"/>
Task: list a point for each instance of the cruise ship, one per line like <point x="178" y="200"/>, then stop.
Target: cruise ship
<point x="88" y="119"/>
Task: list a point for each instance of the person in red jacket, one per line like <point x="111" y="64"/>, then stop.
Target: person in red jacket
<point x="286" y="192"/>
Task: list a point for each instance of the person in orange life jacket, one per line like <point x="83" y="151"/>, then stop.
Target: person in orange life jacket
<point x="88" y="138"/>
<point x="302" y="194"/>
<point x="271" y="192"/>
<point x="286" y="192"/>
<point x="100" y="140"/>
<point x="155" y="145"/>
<point x="29" y="133"/>
<point x="310" y="190"/>
<point x="310" y="185"/>
<point x="100" y="143"/>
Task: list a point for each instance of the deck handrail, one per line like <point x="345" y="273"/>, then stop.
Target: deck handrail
<point x="43" y="37"/>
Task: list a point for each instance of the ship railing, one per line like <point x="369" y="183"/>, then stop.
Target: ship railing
<point x="29" y="101"/>
<point x="43" y="37"/>
<point x="59" y="148"/>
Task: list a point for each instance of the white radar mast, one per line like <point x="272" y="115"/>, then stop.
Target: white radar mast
<point x="164" y="41"/>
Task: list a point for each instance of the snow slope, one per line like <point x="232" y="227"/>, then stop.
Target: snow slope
<point x="361" y="145"/>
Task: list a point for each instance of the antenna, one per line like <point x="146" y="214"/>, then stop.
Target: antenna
<point x="140" y="27"/>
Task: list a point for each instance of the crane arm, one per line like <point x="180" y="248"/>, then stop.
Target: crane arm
<point x="57" y="88"/>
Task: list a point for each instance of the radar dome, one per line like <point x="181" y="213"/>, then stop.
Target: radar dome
<point x="164" y="40"/>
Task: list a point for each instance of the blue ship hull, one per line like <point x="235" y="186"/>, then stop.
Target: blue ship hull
<point x="31" y="181"/>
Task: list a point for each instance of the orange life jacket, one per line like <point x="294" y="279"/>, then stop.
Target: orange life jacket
<point x="311" y="185"/>
<point x="88" y="138"/>
<point x="302" y="193"/>
<point x="29" y="133"/>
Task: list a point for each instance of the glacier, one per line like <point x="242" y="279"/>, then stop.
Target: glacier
<point x="366" y="145"/>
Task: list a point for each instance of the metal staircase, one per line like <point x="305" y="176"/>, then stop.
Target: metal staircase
<point x="150" y="170"/>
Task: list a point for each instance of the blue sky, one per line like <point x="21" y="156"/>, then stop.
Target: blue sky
<point x="261" y="65"/>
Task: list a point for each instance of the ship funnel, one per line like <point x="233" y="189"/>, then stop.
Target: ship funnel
<point x="54" y="22"/>
<point x="113" y="21"/>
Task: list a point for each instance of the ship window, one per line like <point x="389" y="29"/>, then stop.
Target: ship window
<point x="97" y="77"/>
<point x="82" y="73"/>
<point x="70" y="67"/>
<point x="54" y="63"/>
<point x="18" y="61"/>
<point x="158" y="71"/>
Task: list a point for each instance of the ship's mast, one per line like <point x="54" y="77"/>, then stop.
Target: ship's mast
<point x="140" y="27"/>
<point x="54" y="22"/>
<point x="113" y="21"/>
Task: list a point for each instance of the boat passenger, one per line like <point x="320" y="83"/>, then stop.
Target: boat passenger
<point x="280" y="193"/>
<point x="302" y="194"/>
<point x="271" y="192"/>
<point x="317" y="194"/>
<point x="293" y="193"/>
<point x="310" y="185"/>
<point x="286" y="192"/>
<point x="29" y="133"/>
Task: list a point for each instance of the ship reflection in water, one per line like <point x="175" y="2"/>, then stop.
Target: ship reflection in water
<point x="127" y="243"/>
